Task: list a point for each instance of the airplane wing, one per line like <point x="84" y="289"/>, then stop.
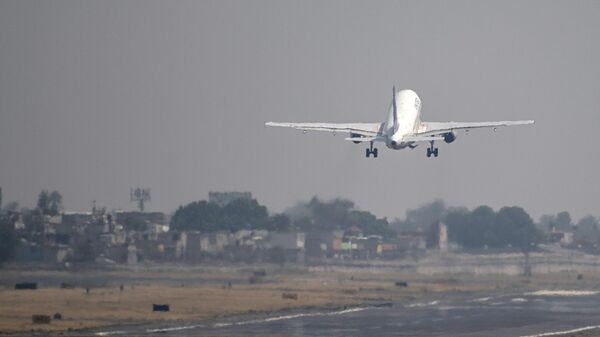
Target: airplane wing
<point x="433" y="128"/>
<point x="362" y="129"/>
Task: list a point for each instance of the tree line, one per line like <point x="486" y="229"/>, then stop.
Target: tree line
<point x="483" y="227"/>
<point x="313" y="215"/>
<point x="48" y="203"/>
<point x="237" y="215"/>
<point x="472" y="229"/>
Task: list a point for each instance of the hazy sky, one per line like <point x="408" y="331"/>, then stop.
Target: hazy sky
<point x="99" y="96"/>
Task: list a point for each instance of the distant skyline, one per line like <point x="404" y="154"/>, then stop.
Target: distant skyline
<point x="100" y="96"/>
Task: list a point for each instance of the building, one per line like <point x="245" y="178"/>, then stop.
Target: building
<point x="135" y="220"/>
<point x="289" y="244"/>
<point x="224" y="198"/>
<point x="443" y="238"/>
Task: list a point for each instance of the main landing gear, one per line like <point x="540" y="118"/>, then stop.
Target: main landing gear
<point x="432" y="150"/>
<point x="371" y="151"/>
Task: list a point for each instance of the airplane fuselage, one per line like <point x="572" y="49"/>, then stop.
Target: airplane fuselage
<point x="408" y="105"/>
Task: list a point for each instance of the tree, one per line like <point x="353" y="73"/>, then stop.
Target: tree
<point x="515" y="227"/>
<point x="425" y="215"/>
<point x="563" y="220"/>
<point x="458" y="223"/>
<point x="370" y="224"/>
<point x="12" y="206"/>
<point x="472" y="229"/>
<point x="54" y="203"/>
<point x="134" y="223"/>
<point x="482" y="221"/>
<point x="279" y="223"/>
<point x="305" y="224"/>
<point x="245" y="214"/>
<point x="49" y="203"/>
<point x="43" y="202"/>
<point x="511" y="226"/>
<point x="337" y="214"/>
<point x="547" y="221"/>
<point x="588" y="222"/>
<point x="8" y="238"/>
<point x="332" y="214"/>
<point x="198" y="215"/>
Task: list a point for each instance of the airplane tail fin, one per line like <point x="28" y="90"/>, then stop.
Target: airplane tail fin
<point x="395" y="110"/>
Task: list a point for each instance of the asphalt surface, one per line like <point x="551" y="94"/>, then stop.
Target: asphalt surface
<point x="552" y="313"/>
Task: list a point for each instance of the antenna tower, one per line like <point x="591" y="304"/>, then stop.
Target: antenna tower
<point x="139" y="195"/>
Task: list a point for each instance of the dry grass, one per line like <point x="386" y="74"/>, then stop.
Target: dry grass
<point x="110" y="306"/>
<point x="107" y="306"/>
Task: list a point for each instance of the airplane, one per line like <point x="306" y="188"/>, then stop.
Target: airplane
<point x="403" y="127"/>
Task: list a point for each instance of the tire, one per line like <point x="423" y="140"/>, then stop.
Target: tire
<point x="428" y="152"/>
<point x="374" y="153"/>
<point x="368" y="153"/>
<point x="435" y="152"/>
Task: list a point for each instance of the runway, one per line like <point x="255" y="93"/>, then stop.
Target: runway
<point x="540" y="313"/>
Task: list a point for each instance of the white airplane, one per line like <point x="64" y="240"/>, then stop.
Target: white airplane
<point x="403" y="127"/>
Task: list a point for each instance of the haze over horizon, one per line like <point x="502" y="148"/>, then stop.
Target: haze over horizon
<point x="97" y="97"/>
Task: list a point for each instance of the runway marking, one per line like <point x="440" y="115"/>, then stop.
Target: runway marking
<point x="518" y="300"/>
<point x="286" y="317"/>
<point x="223" y="325"/>
<point x="482" y="299"/>
<point x="555" y="333"/>
<point x="177" y="328"/>
<point x="110" y="333"/>
<point x="420" y="305"/>
<point x="562" y="293"/>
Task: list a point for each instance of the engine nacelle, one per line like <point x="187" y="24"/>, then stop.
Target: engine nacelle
<point x="449" y="137"/>
<point x="355" y="135"/>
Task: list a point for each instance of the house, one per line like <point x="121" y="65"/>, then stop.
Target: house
<point x="139" y="221"/>
<point x="290" y="244"/>
<point x="563" y="238"/>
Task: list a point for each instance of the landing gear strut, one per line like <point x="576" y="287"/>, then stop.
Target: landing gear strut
<point x="432" y="150"/>
<point x="371" y="151"/>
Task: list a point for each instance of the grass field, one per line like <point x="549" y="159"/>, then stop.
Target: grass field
<point x="201" y="294"/>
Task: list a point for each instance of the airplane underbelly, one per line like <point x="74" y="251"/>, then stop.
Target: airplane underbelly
<point x="400" y="146"/>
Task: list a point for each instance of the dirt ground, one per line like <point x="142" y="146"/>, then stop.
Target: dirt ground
<point x="209" y="293"/>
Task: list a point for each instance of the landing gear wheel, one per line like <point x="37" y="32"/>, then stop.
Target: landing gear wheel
<point x="371" y="151"/>
<point x="432" y="150"/>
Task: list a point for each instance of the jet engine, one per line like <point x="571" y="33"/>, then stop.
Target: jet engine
<point x="355" y="135"/>
<point x="449" y="137"/>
